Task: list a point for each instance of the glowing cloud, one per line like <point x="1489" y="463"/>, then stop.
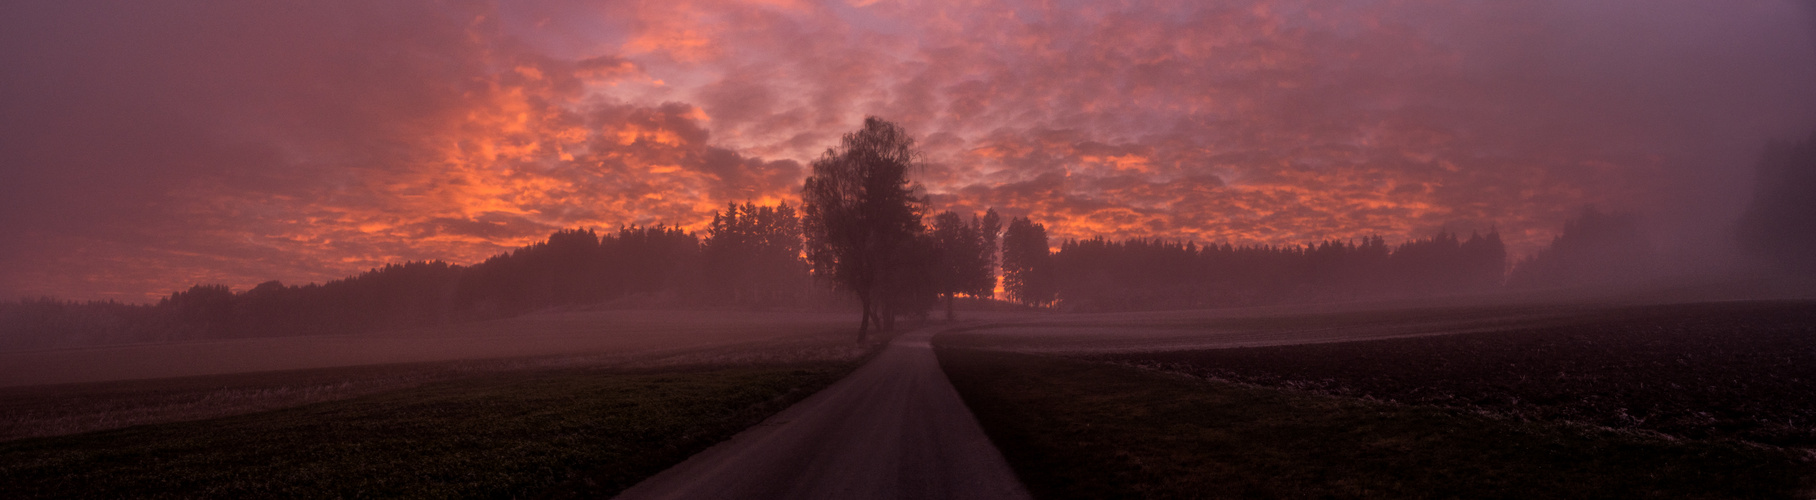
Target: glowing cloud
<point x="149" y="147"/>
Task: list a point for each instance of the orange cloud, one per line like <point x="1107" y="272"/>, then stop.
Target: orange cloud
<point x="308" y="154"/>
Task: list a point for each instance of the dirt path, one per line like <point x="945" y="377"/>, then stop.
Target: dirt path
<point x="893" y="429"/>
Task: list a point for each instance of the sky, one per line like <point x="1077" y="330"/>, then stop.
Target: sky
<point x="148" y="146"/>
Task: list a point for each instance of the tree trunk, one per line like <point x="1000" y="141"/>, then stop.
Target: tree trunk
<point x="864" y="324"/>
<point x="950" y="315"/>
<point x="889" y="319"/>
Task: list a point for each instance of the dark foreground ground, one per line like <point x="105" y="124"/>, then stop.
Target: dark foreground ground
<point x="1529" y="402"/>
<point x="1080" y="429"/>
<point x="537" y="433"/>
<point x="1698" y="401"/>
<point x="1744" y="370"/>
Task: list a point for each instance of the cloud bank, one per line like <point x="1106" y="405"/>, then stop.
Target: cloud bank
<point x="147" y="147"/>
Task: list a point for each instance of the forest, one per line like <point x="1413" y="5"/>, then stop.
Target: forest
<point x="751" y="257"/>
<point x="862" y="234"/>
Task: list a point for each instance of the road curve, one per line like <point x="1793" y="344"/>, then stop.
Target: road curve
<point x="894" y="428"/>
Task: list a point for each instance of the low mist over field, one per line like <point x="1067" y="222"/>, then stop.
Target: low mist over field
<point x="906" y="249"/>
<point x="552" y="335"/>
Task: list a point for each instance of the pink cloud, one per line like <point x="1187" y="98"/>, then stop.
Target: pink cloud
<point x="164" y="147"/>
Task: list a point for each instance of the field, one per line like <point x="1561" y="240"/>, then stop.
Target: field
<point x="1511" y="400"/>
<point x="526" y="434"/>
<point x="1080" y="429"/>
<point x="609" y="399"/>
<point x="53" y="392"/>
<point x="1741" y="370"/>
<point x="1701" y="401"/>
<point x="548" y="334"/>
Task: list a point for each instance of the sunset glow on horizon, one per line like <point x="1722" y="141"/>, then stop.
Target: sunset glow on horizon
<point x="147" y="148"/>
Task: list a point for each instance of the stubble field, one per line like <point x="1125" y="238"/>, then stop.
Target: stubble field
<point x="1736" y="370"/>
<point x="604" y="405"/>
<point x="54" y="392"/>
<point x="1707" y="400"/>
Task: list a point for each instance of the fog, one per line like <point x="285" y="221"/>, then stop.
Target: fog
<point x="239" y="174"/>
<point x="550" y="340"/>
<point x="796" y="247"/>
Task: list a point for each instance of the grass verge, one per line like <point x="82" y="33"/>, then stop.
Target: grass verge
<point x="1079" y="429"/>
<point x="585" y="432"/>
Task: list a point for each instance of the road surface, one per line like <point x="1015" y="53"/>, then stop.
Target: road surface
<point x="894" y="428"/>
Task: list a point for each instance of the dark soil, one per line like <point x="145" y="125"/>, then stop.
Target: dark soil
<point x="1741" y="370"/>
<point x="1079" y="429"/>
<point x="561" y="433"/>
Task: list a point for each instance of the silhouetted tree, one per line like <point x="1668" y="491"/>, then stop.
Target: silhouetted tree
<point x="1595" y="248"/>
<point x="651" y="261"/>
<point x="864" y="233"/>
<point x="571" y="268"/>
<point x="1027" y="264"/>
<point x="1485" y="258"/>
<point x="1101" y="274"/>
<point x="566" y="269"/>
<point x="966" y="256"/>
<point x="1779" y="225"/>
<point x="954" y="244"/>
<point x="201" y="311"/>
<point x="859" y="214"/>
<point x="1139" y="273"/>
<point x="752" y="255"/>
<point x="911" y="281"/>
<point x="46" y="323"/>
<point x="1445" y="264"/>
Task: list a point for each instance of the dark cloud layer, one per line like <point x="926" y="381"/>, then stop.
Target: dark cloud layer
<point x="147" y="146"/>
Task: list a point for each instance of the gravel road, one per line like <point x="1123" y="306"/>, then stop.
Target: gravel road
<point x="892" y="429"/>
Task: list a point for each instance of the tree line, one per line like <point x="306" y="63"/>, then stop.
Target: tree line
<point x="759" y="257"/>
<point x="749" y="258"/>
<point x="861" y="228"/>
<point x="1098" y="274"/>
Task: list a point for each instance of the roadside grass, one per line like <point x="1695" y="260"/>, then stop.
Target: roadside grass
<point x="1081" y="429"/>
<point x="574" y="431"/>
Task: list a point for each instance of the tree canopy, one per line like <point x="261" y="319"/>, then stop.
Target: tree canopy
<point x="752" y="255"/>
<point x="967" y="255"/>
<point x="862" y="219"/>
<point x="1779" y="226"/>
<point x="1027" y="263"/>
